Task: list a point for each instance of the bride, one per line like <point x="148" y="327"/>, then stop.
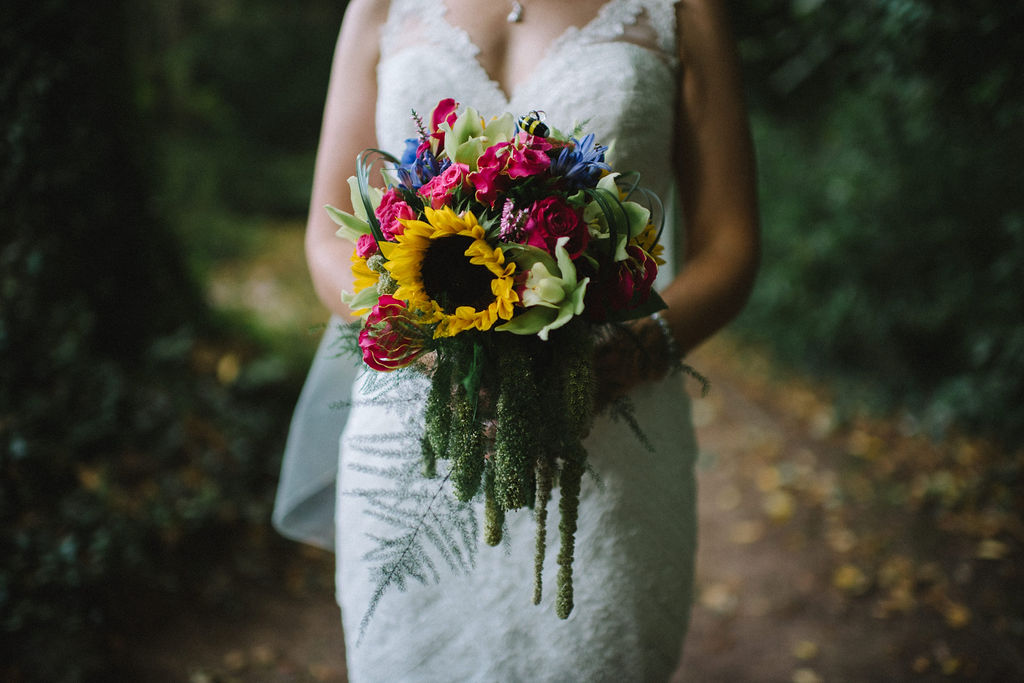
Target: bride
<point x="660" y="79"/>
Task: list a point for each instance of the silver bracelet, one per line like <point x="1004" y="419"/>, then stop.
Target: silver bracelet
<point x="675" y="357"/>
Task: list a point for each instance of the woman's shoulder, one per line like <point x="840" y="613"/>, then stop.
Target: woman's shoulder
<point x="703" y="28"/>
<point x="367" y="13"/>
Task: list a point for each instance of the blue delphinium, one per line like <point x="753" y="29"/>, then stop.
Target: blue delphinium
<point x="582" y="164"/>
<point x="418" y="165"/>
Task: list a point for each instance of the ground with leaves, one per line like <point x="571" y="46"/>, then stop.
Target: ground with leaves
<point x="834" y="547"/>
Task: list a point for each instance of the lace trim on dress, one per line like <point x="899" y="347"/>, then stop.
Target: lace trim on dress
<point x="650" y="24"/>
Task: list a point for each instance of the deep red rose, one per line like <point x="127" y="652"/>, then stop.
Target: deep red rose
<point x="551" y="218"/>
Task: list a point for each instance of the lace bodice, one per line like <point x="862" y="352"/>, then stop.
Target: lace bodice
<point x="618" y="73"/>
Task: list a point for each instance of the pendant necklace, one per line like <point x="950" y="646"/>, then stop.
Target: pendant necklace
<point x="516" y="15"/>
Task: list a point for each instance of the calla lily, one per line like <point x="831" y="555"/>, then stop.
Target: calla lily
<point x="465" y="140"/>
<point x="552" y="294"/>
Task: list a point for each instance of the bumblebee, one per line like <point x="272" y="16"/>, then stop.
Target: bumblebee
<point x="532" y="124"/>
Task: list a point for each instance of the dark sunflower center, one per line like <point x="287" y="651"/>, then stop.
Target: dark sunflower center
<point x="450" y="279"/>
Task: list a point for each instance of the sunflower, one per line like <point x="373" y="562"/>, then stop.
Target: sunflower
<point x="446" y="270"/>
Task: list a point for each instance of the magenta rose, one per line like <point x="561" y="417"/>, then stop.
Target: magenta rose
<point x="366" y="246"/>
<point x="551" y="218"/>
<point x="440" y="188"/>
<point x="529" y="158"/>
<point x="385" y="347"/>
<point x="391" y="209"/>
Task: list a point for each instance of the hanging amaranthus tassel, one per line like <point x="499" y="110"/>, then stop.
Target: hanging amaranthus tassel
<point x="545" y="478"/>
<point x="494" y="515"/>
<point x="516" y="442"/>
<point x="466" y="446"/>
<point x="578" y="387"/>
<point x="437" y="415"/>
<point x="568" y="508"/>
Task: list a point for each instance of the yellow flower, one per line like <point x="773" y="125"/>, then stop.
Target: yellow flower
<point x="448" y="272"/>
<point x="647" y="240"/>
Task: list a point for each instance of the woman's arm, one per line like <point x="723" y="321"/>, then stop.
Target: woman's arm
<point x="715" y="166"/>
<point x="348" y="128"/>
<point x="715" y="161"/>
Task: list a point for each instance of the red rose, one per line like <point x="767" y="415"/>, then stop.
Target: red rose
<point x="551" y="218"/>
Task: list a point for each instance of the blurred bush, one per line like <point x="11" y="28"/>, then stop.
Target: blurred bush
<point x="235" y="88"/>
<point x="889" y="134"/>
<point x="136" y="433"/>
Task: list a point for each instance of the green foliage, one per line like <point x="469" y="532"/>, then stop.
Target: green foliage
<point x="888" y="134"/>
<point x="430" y="525"/>
<point x="236" y="91"/>
<point x="124" y="455"/>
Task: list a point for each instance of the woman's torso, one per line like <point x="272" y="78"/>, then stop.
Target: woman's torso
<point x="613" y="68"/>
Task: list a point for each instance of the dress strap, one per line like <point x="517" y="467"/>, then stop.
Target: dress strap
<point x="651" y="23"/>
<point x="425" y="22"/>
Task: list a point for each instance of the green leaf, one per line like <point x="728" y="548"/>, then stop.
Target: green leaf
<point x="366" y="298"/>
<point x="653" y="304"/>
<point x="351" y="227"/>
<point x="531" y="321"/>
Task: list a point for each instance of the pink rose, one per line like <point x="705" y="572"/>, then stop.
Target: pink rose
<point x="366" y="246"/>
<point x="531" y="159"/>
<point x="551" y="218"/>
<point x="440" y="188"/>
<point x="391" y="209"/>
<point x="384" y="345"/>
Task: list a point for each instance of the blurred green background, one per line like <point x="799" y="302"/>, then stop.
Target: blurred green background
<point x="146" y="145"/>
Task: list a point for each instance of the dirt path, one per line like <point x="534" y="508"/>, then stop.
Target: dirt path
<point x="824" y="556"/>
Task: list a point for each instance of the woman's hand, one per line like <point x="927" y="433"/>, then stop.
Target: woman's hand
<point x="627" y="355"/>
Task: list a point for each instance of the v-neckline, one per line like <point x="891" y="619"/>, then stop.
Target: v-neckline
<point x="508" y="92"/>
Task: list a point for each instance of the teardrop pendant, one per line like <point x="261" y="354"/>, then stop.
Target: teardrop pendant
<point x="516" y="15"/>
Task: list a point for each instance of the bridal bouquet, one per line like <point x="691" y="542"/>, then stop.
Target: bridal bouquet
<point x="499" y="244"/>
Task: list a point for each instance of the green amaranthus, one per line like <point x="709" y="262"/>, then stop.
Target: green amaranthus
<point x="510" y="412"/>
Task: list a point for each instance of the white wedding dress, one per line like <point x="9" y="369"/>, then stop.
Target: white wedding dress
<point x="635" y="545"/>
